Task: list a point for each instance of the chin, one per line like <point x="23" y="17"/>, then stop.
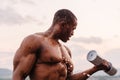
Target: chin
<point x="64" y="40"/>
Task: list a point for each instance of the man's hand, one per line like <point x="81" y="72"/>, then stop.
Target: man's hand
<point x="105" y="65"/>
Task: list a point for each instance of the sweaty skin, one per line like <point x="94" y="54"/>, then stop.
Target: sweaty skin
<point x="42" y="57"/>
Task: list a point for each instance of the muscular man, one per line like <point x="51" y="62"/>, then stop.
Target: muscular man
<point x="42" y="57"/>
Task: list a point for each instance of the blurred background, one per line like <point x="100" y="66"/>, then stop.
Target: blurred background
<point x="98" y="29"/>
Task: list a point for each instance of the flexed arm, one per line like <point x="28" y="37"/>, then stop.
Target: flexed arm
<point x="86" y="74"/>
<point x="24" y="59"/>
<point x="83" y="75"/>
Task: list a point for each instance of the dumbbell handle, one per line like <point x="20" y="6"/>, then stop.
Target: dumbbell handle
<point x="95" y="59"/>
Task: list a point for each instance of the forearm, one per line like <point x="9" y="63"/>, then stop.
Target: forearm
<point x="17" y="77"/>
<point x="83" y="75"/>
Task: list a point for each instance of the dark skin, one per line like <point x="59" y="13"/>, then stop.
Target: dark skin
<point x="42" y="57"/>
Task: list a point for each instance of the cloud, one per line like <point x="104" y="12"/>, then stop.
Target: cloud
<point x="79" y="51"/>
<point x="10" y="16"/>
<point x="113" y="56"/>
<point x="18" y="1"/>
<point x="79" y="54"/>
<point x="28" y="1"/>
<point x="113" y="53"/>
<point x="6" y="59"/>
<point x="12" y="12"/>
<point x="95" y="40"/>
<point x="31" y="2"/>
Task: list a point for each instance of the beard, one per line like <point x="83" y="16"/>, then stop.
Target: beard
<point x="64" y="35"/>
<point x="65" y="38"/>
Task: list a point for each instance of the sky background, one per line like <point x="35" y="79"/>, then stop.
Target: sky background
<point x="98" y="27"/>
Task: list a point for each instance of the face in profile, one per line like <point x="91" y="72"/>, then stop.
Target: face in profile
<point x="67" y="31"/>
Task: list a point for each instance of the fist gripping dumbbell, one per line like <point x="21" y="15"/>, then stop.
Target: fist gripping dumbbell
<point x="95" y="59"/>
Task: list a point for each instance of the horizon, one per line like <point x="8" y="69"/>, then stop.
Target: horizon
<point x="5" y="71"/>
<point x="98" y="27"/>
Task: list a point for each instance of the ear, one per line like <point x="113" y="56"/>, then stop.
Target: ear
<point x="62" y="23"/>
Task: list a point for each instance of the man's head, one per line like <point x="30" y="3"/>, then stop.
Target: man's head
<point x="67" y="22"/>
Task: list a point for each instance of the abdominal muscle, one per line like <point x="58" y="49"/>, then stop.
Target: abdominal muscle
<point x="47" y="71"/>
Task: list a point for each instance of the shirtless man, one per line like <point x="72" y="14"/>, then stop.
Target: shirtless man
<point x="42" y="57"/>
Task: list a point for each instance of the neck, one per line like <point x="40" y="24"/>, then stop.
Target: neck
<point x="51" y="33"/>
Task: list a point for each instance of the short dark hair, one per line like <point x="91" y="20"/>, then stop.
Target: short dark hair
<point x="64" y="15"/>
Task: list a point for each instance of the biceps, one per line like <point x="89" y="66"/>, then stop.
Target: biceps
<point x="26" y="64"/>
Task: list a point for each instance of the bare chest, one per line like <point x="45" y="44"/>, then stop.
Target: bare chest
<point x="53" y="61"/>
<point x="52" y="52"/>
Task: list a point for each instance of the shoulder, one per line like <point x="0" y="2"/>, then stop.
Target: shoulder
<point x="31" y="42"/>
<point x="68" y="50"/>
<point x="33" y="38"/>
<point x="29" y="39"/>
